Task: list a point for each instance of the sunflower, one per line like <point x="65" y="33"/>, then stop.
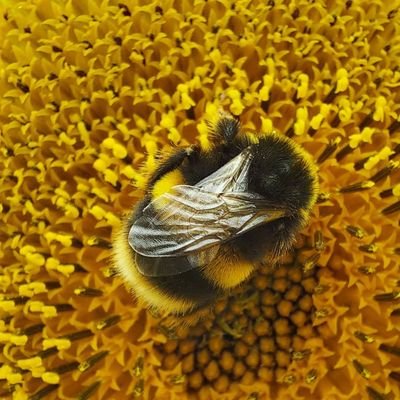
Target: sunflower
<point x="92" y="91"/>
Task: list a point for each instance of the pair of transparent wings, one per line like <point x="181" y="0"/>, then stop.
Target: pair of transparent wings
<point x="192" y="221"/>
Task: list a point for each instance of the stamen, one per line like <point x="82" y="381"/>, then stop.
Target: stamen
<point x="311" y="376"/>
<point x="364" y="372"/>
<point x="384" y="172"/>
<point x="42" y="393"/>
<point x="369" y="248"/>
<point x="375" y="395"/>
<point x="107" y="322"/>
<point x="395" y="375"/>
<point x="344" y="152"/>
<point x="388" y="296"/>
<point x="319" y="243"/>
<point x="138" y="388"/>
<point x="301" y="355"/>
<point x="79" y="335"/>
<point x="355" y="231"/>
<point x="390" y="349"/>
<point x="92" y="360"/>
<point x="329" y="150"/>
<point x="65" y="368"/>
<point x="392" y="208"/>
<point x="357" y="187"/>
<point x="88" y="392"/>
<point x="138" y="367"/>
<point x="367" y="269"/>
<point x="89" y="292"/>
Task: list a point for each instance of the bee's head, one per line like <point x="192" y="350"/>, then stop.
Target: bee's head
<point x="282" y="173"/>
<point x="226" y="129"/>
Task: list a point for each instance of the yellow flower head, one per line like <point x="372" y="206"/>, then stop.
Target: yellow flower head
<point x="92" y="92"/>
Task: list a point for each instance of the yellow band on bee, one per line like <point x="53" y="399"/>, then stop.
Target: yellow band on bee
<point x="125" y="263"/>
<point x="228" y="269"/>
<point x="166" y="182"/>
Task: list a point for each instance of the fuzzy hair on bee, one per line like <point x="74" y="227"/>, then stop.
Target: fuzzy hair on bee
<point x="210" y="216"/>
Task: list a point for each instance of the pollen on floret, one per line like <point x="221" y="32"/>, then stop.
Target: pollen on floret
<point x="380" y="109"/>
<point x="301" y="123"/>
<point x="342" y="80"/>
<point x="265" y="90"/>
<point x="382" y="155"/>
<point x="317" y="120"/>
<point x="302" y="89"/>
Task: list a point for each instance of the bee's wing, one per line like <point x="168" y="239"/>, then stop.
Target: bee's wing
<point x="231" y="177"/>
<point x="192" y="221"/>
<point x="189" y="219"/>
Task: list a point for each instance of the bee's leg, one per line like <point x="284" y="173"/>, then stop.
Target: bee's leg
<point x="172" y="162"/>
<point x="187" y="319"/>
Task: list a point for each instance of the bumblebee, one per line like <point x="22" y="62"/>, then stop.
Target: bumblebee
<point x="210" y="216"/>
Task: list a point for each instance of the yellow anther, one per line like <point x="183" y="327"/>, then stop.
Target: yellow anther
<point x="100" y="165"/>
<point x="236" y="107"/>
<point x="364" y="136"/>
<point x="264" y="93"/>
<point x="110" y="176"/>
<point x="302" y="89"/>
<point x="49" y="311"/>
<point x="300" y="125"/>
<point x="381" y="155"/>
<point x="61" y="344"/>
<point x="168" y="120"/>
<point x="380" y="108"/>
<point x="97" y="212"/>
<point x="174" y="135"/>
<point x="7" y="306"/>
<point x="342" y="80"/>
<point x="266" y="125"/>
<point x="51" y="378"/>
<point x="30" y="363"/>
<point x="32" y="288"/>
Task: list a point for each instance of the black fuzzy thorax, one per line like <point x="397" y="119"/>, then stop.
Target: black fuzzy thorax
<point x="277" y="173"/>
<point x="280" y="174"/>
<point x="202" y="164"/>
